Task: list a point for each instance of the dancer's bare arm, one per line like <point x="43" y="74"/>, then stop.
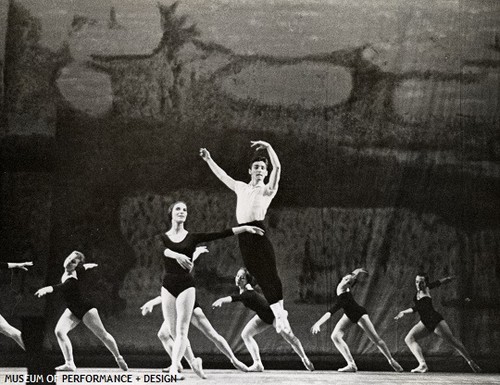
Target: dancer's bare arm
<point x="216" y="169"/>
<point x="275" y="175"/>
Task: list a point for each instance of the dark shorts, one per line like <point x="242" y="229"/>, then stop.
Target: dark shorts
<point x="80" y="309"/>
<point x="431" y="320"/>
<point x="354" y="313"/>
<point x="177" y="283"/>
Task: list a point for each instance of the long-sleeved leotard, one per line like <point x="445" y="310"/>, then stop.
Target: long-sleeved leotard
<point x="352" y="309"/>
<point x="72" y="294"/>
<point x="176" y="278"/>
<point x="256" y="302"/>
<point x="428" y="315"/>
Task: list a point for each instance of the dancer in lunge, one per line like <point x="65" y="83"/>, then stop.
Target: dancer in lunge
<point x="178" y="292"/>
<point x="263" y="320"/>
<point x="353" y="314"/>
<point x="79" y="309"/>
<point x="6" y="328"/>
<point x="430" y="322"/>
<point x="200" y="321"/>
<point x="253" y="200"/>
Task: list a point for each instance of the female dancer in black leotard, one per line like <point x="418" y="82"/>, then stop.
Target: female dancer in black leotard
<point x="353" y="314"/>
<point x="263" y="320"/>
<point x="178" y="290"/>
<point x="252" y="202"/>
<point x="79" y="310"/>
<point x="201" y="322"/>
<point x="430" y="322"/>
<point x="6" y="328"/>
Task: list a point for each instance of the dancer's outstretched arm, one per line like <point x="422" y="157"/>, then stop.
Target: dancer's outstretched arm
<point x="17" y="265"/>
<point x="316" y="328"/>
<point x="222" y="301"/>
<point x="216" y="169"/>
<point x="402" y="313"/>
<point x="149" y="306"/>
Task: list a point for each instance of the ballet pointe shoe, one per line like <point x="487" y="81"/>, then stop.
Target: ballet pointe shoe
<point x="239" y="365"/>
<point x="349" y="368"/>
<point x="121" y="363"/>
<point x="395" y="365"/>
<point x="308" y="364"/>
<point x="197" y="366"/>
<point x="19" y="340"/>
<point x="475" y="367"/>
<point x="422" y="368"/>
<point x="167" y="369"/>
<point x="66" y="367"/>
<point x="256" y="367"/>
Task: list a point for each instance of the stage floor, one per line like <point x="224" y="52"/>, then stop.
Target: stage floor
<point x="219" y="377"/>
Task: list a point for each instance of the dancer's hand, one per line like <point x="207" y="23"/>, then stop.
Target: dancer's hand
<point x="253" y="230"/>
<point x="147" y="307"/>
<point x="315" y="329"/>
<point x="400" y="315"/>
<point x="221" y="301"/>
<point x="184" y="261"/>
<point x="43" y="291"/>
<point x="21" y="265"/>
<point x="199" y="250"/>
<point x="89" y="266"/>
<point x="205" y="155"/>
<point x="261" y="145"/>
<point x="448" y="279"/>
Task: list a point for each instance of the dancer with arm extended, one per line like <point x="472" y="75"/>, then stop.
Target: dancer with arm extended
<point x="253" y="200"/>
<point x="198" y="320"/>
<point x="6" y="328"/>
<point x="79" y="309"/>
<point x="178" y="291"/>
<point x="353" y="314"/>
<point x="263" y="320"/>
<point x="430" y="322"/>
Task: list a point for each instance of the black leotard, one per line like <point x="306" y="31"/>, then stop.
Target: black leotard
<point x="352" y="309"/>
<point x="256" y="302"/>
<point x="176" y="278"/>
<point x="72" y="293"/>
<point x="428" y="315"/>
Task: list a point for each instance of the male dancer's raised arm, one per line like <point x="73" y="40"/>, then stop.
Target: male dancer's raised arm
<point x="275" y="175"/>
<point x="216" y="169"/>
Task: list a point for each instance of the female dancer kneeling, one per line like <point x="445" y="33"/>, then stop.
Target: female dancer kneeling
<point x="353" y="314"/>
<point x="6" y="328"/>
<point x="178" y="292"/>
<point x="263" y="320"/>
<point x="200" y="321"/>
<point x="430" y="322"/>
<point x="79" y="309"/>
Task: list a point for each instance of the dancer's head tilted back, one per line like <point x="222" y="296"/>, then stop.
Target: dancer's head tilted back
<point x="177" y="212"/>
<point x="73" y="260"/>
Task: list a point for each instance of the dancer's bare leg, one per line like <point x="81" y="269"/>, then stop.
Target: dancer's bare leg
<point x="366" y="324"/>
<point x="201" y="322"/>
<point x="296" y="345"/>
<point x="338" y="339"/>
<point x="92" y="320"/>
<point x="444" y="331"/>
<point x="10" y="331"/>
<point x="253" y="327"/>
<point x="67" y="322"/>
<point x="416" y="333"/>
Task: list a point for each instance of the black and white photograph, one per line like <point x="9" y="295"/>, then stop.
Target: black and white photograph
<point x="250" y="192"/>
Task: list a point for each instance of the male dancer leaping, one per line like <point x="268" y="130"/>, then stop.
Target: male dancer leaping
<point x="253" y="200"/>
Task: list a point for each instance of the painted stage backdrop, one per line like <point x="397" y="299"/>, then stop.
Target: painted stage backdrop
<point x="384" y="113"/>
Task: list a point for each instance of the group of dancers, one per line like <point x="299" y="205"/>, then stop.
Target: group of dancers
<point x="178" y="293"/>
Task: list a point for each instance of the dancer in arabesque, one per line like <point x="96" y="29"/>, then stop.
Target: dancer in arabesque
<point x="253" y="200"/>
<point x="354" y="314"/>
<point x="6" y="328"/>
<point x="431" y="322"/>
<point x="79" y="309"/>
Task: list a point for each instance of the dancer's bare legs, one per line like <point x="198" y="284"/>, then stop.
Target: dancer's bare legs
<point x="67" y="322"/>
<point x="252" y="328"/>
<point x="10" y="331"/>
<point x="338" y="339"/>
<point x="416" y="333"/>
